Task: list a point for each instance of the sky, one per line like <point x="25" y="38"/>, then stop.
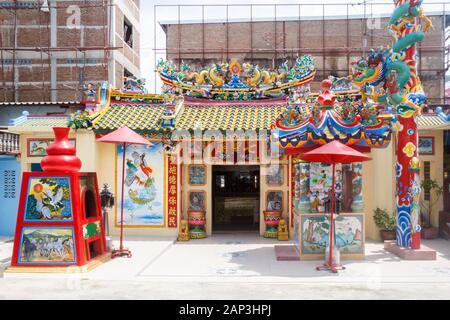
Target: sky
<point x="168" y="10"/>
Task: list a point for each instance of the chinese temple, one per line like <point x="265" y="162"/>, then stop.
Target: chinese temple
<point x="226" y="140"/>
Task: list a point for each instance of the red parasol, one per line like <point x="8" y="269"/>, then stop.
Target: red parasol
<point x="332" y="153"/>
<point x="123" y="136"/>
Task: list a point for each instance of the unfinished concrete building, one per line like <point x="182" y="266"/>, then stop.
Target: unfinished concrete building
<point x="334" y="40"/>
<point x="50" y="48"/>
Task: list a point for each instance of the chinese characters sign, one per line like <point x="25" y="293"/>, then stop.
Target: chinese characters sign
<point x="172" y="193"/>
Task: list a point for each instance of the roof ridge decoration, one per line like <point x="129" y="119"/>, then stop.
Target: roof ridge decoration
<point x="349" y="120"/>
<point x="235" y="82"/>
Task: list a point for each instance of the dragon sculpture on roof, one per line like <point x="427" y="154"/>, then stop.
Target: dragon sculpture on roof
<point x="233" y="81"/>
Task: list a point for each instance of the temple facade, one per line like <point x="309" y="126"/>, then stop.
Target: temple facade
<point x="226" y="142"/>
<point x="235" y="161"/>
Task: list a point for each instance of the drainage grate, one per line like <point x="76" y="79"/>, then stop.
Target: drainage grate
<point x="233" y="242"/>
<point x="234" y="254"/>
<point x="226" y="271"/>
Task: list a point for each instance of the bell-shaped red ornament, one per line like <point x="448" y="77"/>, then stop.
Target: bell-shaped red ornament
<point x="61" y="153"/>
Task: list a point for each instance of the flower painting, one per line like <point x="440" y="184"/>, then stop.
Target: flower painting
<point x="48" y="198"/>
<point x="143" y="185"/>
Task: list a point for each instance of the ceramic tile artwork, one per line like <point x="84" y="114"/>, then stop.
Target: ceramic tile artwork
<point x="52" y="245"/>
<point x="197" y="175"/>
<point x="38" y="147"/>
<point x="144" y="185"/>
<point x="348" y="233"/>
<point x="197" y="200"/>
<point x="48" y="198"/>
<point x="275" y="175"/>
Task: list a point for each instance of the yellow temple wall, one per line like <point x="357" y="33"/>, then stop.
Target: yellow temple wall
<point x="105" y="166"/>
<point x="42" y="133"/>
<point x="378" y="187"/>
<point x="378" y="179"/>
<point x="436" y="168"/>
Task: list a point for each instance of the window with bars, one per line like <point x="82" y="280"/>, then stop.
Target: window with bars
<point x="9" y="184"/>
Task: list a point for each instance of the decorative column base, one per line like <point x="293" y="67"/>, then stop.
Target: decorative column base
<point x="197" y="222"/>
<point x="424" y="253"/>
<point x="272" y="220"/>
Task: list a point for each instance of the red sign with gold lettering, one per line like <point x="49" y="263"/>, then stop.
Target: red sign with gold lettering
<point x="172" y="193"/>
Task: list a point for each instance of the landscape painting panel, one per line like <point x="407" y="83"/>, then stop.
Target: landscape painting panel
<point x="38" y="147"/>
<point x="48" y="198"/>
<point x="47" y="246"/>
<point x="144" y="185"/>
<point x="348" y="230"/>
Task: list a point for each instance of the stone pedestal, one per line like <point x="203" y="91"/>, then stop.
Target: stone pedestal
<point x="424" y="253"/>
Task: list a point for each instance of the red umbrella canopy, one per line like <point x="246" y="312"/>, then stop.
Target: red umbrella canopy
<point x="124" y="135"/>
<point x="334" y="152"/>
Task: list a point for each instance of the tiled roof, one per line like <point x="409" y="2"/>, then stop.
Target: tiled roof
<point x="40" y="103"/>
<point x="432" y="121"/>
<point x="134" y="116"/>
<point x="229" y="116"/>
<point x="44" y="121"/>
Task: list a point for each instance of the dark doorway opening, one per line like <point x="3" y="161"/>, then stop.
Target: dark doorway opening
<point x="235" y="202"/>
<point x="95" y="249"/>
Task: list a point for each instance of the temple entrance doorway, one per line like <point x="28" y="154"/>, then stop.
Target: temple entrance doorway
<point x="235" y="198"/>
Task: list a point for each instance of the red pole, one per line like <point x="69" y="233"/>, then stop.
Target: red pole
<point x="121" y="205"/>
<point x="330" y="262"/>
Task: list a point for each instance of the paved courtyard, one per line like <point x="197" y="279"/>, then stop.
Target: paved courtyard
<point x="235" y="266"/>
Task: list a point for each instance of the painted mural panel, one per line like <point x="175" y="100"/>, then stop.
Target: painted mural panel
<point x="144" y="185"/>
<point x="48" y="198"/>
<point x="348" y="230"/>
<point x="197" y="175"/>
<point x="91" y="230"/>
<point x="38" y="147"/>
<point x="320" y="180"/>
<point x="40" y="245"/>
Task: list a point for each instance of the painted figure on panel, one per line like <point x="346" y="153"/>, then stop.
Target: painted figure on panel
<point x="274" y="200"/>
<point x="144" y="185"/>
<point x="197" y="175"/>
<point x="275" y="175"/>
<point x="39" y="147"/>
<point x="197" y="201"/>
<point x="348" y="234"/>
<point x="48" y="199"/>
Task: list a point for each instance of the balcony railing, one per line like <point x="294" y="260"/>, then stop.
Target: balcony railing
<point x="9" y="143"/>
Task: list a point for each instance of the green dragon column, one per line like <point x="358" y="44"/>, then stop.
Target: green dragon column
<point x="389" y="78"/>
<point x="405" y="94"/>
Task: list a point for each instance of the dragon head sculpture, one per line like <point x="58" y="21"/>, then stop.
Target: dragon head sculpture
<point x="369" y="71"/>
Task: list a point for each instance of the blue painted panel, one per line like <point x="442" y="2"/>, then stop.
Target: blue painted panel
<point x="10" y="176"/>
<point x="36" y="167"/>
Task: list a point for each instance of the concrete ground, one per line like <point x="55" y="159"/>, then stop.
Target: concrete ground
<point x="236" y="266"/>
